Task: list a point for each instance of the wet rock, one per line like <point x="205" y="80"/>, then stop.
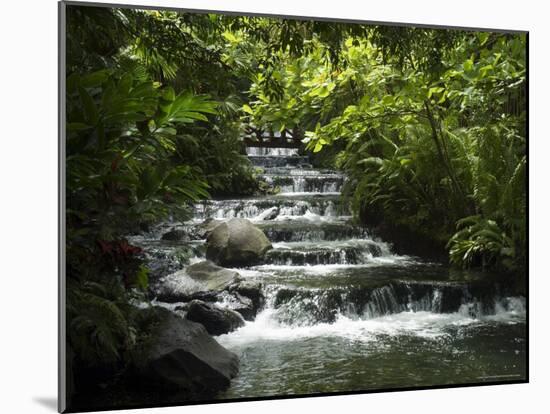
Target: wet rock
<point x="175" y="235"/>
<point x="201" y="280"/>
<point x="162" y="262"/>
<point x="181" y="308"/>
<point x="249" y="291"/>
<point x="216" y="320"/>
<point x="270" y="214"/>
<point x="238" y="303"/>
<point x="202" y="230"/>
<point x="182" y="355"/>
<point x="245" y="307"/>
<point x="215" y="277"/>
<point x="174" y="296"/>
<point x="236" y="242"/>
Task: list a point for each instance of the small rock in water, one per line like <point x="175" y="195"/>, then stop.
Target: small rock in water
<point x="163" y="261"/>
<point x="252" y="291"/>
<point x="216" y="320"/>
<point x="271" y="214"/>
<point x="238" y="303"/>
<point x="175" y="235"/>
<point x="245" y="307"/>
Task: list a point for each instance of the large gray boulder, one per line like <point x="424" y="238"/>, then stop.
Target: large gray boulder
<point x="199" y="281"/>
<point x="182" y="355"/>
<point x="216" y="320"/>
<point x="202" y="230"/>
<point x="236" y="242"/>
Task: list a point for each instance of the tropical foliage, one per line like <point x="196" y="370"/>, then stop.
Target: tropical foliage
<point x="428" y="125"/>
<point x="151" y="128"/>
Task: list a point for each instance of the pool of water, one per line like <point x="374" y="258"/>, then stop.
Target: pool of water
<point x="409" y="349"/>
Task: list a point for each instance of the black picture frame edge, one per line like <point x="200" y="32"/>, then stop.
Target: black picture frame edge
<point x="297" y="396"/>
<point x="527" y="264"/>
<point x="62" y="374"/>
<point x="61" y="104"/>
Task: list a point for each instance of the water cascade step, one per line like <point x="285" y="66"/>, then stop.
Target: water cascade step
<point x="317" y="204"/>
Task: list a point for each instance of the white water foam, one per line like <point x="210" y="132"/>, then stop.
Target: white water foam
<point x="421" y="324"/>
<point x="334" y="244"/>
<point x="312" y="217"/>
<point x="323" y="269"/>
<point x="260" y="151"/>
<point x="305" y="193"/>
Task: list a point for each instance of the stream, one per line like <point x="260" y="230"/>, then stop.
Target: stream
<point x="344" y="313"/>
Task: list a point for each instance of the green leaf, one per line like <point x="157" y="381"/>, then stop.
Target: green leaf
<point x="248" y="109"/>
<point x="468" y="65"/>
<point x="95" y="79"/>
<point x="388" y="100"/>
<point x="372" y="161"/>
<point x="483" y="37"/>
<point x="167" y="131"/>
<point x="125" y="84"/>
<point x="230" y="37"/>
<point x="73" y="82"/>
<point x="143" y="90"/>
<point x="168" y="94"/>
<point x="188" y="107"/>
<point x="435" y="90"/>
<point x="90" y="110"/>
<point x="142" y="278"/>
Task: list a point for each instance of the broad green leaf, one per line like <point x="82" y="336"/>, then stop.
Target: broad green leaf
<point x="95" y="79"/>
<point x="435" y="90"/>
<point x="125" y="84"/>
<point x="248" y="109"/>
<point x="468" y="65"/>
<point x="388" y="100"/>
<point x="168" y="94"/>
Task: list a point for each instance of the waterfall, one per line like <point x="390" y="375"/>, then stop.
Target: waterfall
<point x="325" y="270"/>
<point x="335" y="296"/>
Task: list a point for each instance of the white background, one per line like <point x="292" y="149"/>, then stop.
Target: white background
<point x="28" y="203"/>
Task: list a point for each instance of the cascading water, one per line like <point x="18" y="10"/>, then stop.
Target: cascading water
<point x="344" y="313"/>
